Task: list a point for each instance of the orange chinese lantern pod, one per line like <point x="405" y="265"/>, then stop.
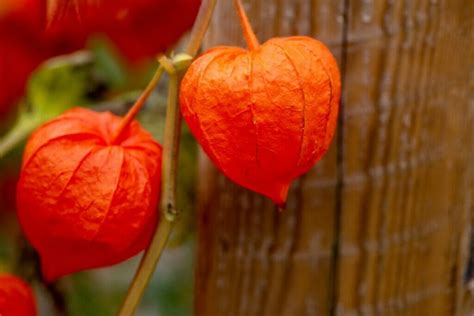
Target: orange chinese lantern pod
<point x="264" y="115"/>
<point x="87" y="195"/>
<point x="16" y="297"/>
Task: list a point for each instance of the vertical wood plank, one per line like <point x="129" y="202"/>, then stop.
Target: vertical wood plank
<point x="407" y="191"/>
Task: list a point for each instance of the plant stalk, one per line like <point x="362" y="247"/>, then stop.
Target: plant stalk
<point x="250" y="37"/>
<point x="132" y="113"/>
<point x="200" y="26"/>
<point x="171" y="141"/>
<point x="168" y="201"/>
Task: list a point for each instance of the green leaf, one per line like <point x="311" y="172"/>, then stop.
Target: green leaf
<point x="109" y="65"/>
<point x="56" y="86"/>
<point x="59" y="84"/>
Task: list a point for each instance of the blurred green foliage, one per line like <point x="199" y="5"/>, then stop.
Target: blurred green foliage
<point x="60" y="84"/>
<point x="84" y="297"/>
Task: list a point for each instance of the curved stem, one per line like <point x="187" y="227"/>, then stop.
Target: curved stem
<point x="132" y="113"/>
<point x="169" y="168"/>
<point x="250" y="38"/>
<point x="200" y="26"/>
<point x="168" y="200"/>
<point x="148" y="263"/>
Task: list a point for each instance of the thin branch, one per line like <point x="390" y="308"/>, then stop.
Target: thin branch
<point x="250" y="38"/>
<point x="169" y="165"/>
<point x="168" y="202"/>
<point x="132" y="113"/>
<point x="200" y="26"/>
<point x="146" y="268"/>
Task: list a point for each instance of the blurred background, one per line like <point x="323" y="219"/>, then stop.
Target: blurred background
<point x="381" y="226"/>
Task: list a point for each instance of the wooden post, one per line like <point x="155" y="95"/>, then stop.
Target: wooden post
<point x="404" y="185"/>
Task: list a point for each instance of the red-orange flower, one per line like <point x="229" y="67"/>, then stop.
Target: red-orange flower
<point x="265" y="115"/>
<point x="34" y="30"/>
<point x="16" y="297"/>
<point x="139" y="28"/>
<point x="20" y="48"/>
<point x="85" y="199"/>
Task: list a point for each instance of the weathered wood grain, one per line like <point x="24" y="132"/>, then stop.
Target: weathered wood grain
<point x="402" y="190"/>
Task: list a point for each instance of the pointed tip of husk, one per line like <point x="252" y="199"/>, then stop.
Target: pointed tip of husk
<point x="50" y="270"/>
<point x="279" y="196"/>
